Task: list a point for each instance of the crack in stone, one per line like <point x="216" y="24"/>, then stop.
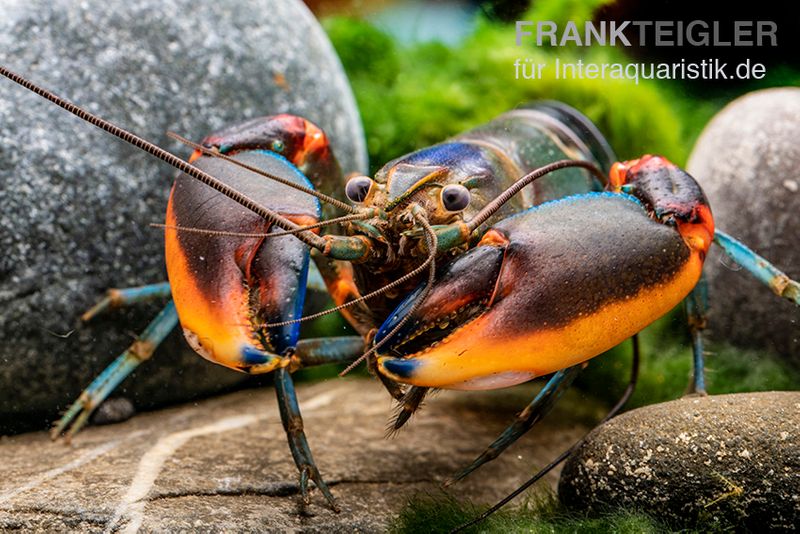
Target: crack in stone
<point x="277" y="490"/>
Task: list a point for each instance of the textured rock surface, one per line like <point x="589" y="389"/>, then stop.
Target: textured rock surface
<point x="748" y="162"/>
<point x="223" y="464"/>
<point x="77" y="203"/>
<point x="730" y="456"/>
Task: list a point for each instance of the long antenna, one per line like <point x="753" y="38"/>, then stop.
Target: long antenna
<point x="498" y="202"/>
<point x="227" y="233"/>
<point x="309" y="238"/>
<point x="216" y="154"/>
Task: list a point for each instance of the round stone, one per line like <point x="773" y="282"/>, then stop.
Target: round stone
<point x="734" y="459"/>
<point x="77" y="203"/>
<point x="748" y="163"/>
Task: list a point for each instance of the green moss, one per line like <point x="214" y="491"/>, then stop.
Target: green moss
<point x="540" y="513"/>
<point x="416" y="96"/>
<point x="666" y="367"/>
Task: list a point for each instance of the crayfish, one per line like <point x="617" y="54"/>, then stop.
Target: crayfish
<point x="515" y="250"/>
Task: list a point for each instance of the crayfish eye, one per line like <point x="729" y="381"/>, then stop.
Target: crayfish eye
<point x="358" y="187"/>
<point x="455" y="197"/>
<point x="277" y="146"/>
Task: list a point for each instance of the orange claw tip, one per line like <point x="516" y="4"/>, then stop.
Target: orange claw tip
<point x="313" y="141"/>
<point x="620" y="170"/>
<point x="698" y="232"/>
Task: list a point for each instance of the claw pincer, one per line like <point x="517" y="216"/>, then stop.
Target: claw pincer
<point x="557" y="284"/>
<point x="226" y="290"/>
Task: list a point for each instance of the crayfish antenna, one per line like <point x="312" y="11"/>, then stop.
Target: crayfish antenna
<point x="217" y="154"/>
<point x="171" y="159"/>
<point x="226" y="233"/>
<point x="492" y="207"/>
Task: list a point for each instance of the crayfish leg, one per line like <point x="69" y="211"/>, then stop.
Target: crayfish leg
<point x="696" y="314"/>
<point x="532" y="414"/>
<point x="77" y="415"/>
<point x="298" y="444"/>
<point x="764" y="271"/>
<point x="120" y="298"/>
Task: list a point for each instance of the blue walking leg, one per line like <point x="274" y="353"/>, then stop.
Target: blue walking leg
<point x="293" y="425"/>
<point x="109" y="379"/>
<point x="117" y="298"/>
<point x="763" y="270"/>
<point x="319" y="351"/>
<point x="697" y="313"/>
<point x="532" y="413"/>
<point x="626" y="395"/>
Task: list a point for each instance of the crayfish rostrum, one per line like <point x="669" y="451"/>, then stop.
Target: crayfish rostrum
<point x="515" y="250"/>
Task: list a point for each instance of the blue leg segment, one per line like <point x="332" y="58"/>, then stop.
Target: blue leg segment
<point x="764" y="271"/>
<point x="532" y="413"/>
<point x="697" y="313"/>
<point x="78" y="414"/>
<point x="293" y="425"/>
<point x="118" y="298"/>
<point x="324" y="350"/>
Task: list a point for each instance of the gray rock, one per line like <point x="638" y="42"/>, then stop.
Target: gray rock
<point x="113" y="410"/>
<point x="76" y="203"/>
<point x="729" y="458"/>
<point x="222" y="465"/>
<point x="748" y="162"/>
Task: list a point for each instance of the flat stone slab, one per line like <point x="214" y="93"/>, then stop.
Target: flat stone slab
<point x="728" y="458"/>
<point x="224" y="465"/>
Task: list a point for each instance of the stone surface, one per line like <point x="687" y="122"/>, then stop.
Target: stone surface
<point x="77" y="203"/>
<point x="733" y="457"/>
<point x="224" y="465"/>
<point x="748" y="162"/>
